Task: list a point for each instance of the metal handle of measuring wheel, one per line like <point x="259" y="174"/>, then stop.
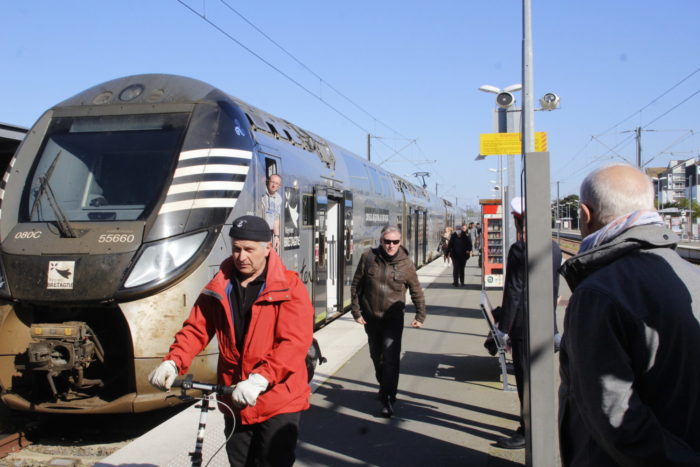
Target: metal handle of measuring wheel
<point x="187" y="384"/>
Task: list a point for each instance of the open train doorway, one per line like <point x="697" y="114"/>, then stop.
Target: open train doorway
<point x="330" y="236"/>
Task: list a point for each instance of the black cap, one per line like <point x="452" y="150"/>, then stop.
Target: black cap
<point x="251" y="228"/>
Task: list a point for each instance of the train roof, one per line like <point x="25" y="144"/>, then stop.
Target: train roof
<point x="166" y="88"/>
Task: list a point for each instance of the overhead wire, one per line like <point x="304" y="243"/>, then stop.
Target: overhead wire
<point x="653" y="101"/>
<point x="266" y="62"/>
<point x="307" y="68"/>
<point x="291" y="79"/>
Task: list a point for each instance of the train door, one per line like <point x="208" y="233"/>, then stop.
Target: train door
<point x="332" y="237"/>
<point x="408" y="241"/>
<point x="345" y="255"/>
<point x="424" y="235"/>
<point x="330" y="226"/>
<point x="272" y="166"/>
<point x="320" y="273"/>
<point x="416" y="237"/>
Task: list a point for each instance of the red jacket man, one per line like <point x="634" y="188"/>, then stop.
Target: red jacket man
<point x="262" y="318"/>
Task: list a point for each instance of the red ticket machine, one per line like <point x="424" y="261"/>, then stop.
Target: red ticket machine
<point x="492" y="242"/>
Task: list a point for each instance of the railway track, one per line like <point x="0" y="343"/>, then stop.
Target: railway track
<point x="29" y="440"/>
<point x="570" y="243"/>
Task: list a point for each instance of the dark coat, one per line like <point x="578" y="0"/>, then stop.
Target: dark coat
<point x="630" y="359"/>
<point x="512" y="314"/>
<point x="379" y="285"/>
<point x="459" y="246"/>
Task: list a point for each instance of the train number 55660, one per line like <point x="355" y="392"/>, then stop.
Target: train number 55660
<point x="116" y="238"/>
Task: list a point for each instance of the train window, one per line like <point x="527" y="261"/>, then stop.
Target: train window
<point x="358" y="174"/>
<point x="307" y="212"/>
<point x="376" y="183"/>
<point x="114" y="165"/>
<point x="270" y="167"/>
<point x="250" y="120"/>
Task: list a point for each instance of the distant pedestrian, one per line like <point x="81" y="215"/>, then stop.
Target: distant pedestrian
<point x="378" y="300"/>
<point x="630" y="359"/>
<point x="473" y="236"/>
<point x="477" y="247"/>
<point x="460" y="247"/>
<point x="444" y="242"/>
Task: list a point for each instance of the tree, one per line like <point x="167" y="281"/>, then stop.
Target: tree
<point x="684" y="203"/>
<point x="568" y="207"/>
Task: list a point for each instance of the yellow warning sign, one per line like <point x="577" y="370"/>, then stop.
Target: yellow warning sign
<point x="507" y="144"/>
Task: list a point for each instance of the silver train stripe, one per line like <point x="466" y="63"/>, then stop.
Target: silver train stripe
<point x="211" y="168"/>
<point x="197" y="204"/>
<point x="205" y="186"/>
<point x="215" y="152"/>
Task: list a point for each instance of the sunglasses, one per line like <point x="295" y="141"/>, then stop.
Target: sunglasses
<point x="391" y="242"/>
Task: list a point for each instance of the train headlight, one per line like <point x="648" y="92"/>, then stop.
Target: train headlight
<point x="158" y="261"/>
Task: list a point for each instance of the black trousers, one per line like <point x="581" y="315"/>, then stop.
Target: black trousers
<point x="271" y="443"/>
<point x="384" y="339"/>
<point x="458" y="264"/>
<point x="519" y="361"/>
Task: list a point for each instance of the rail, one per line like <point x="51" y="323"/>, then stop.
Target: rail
<point x="570" y="243"/>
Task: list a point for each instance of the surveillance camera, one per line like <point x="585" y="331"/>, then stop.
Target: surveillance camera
<point x="549" y="101"/>
<point x="505" y="99"/>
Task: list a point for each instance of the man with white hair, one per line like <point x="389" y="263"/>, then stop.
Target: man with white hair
<point x="630" y="360"/>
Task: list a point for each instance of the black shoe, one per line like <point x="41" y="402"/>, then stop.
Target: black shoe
<point x="517" y="441"/>
<point x="455" y="285"/>
<point x="387" y="407"/>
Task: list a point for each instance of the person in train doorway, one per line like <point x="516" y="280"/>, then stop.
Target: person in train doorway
<point x="630" y="359"/>
<point x="262" y="318"/>
<point x="378" y="294"/>
<point x="511" y="316"/>
<point x="460" y="247"/>
<point x="271" y="203"/>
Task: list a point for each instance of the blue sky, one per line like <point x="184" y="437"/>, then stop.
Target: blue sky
<point x="410" y="69"/>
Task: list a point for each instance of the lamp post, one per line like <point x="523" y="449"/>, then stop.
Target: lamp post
<point x="690" y="206"/>
<point x="506" y="122"/>
<point x="503" y="195"/>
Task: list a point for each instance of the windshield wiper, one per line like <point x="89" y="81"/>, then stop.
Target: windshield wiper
<point x="44" y="188"/>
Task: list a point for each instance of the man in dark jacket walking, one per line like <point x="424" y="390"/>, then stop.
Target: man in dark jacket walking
<point x="630" y="360"/>
<point x="378" y="299"/>
<point x="460" y="247"/>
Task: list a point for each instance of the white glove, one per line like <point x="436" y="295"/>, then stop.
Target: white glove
<point x="502" y="336"/>
<point x="164" y="375"/>
<point x="246" y="392"/>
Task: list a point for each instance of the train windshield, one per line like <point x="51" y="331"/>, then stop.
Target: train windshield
<point x="103" y="168"/>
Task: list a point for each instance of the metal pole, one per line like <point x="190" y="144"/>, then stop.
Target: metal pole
<point x="690" y="208"/>
<point x="369" y="147"/>
<point x="557" y="220"/>
<point x="638" y="132"/>
<point x="539" y="395"/>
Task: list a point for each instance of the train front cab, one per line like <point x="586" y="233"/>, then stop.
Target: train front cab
<point x="123" y="324"/>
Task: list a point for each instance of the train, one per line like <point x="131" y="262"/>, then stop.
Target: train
<point x="114" y="213"/>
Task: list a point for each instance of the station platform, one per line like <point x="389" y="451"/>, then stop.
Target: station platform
<point x="451" y="406"/>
